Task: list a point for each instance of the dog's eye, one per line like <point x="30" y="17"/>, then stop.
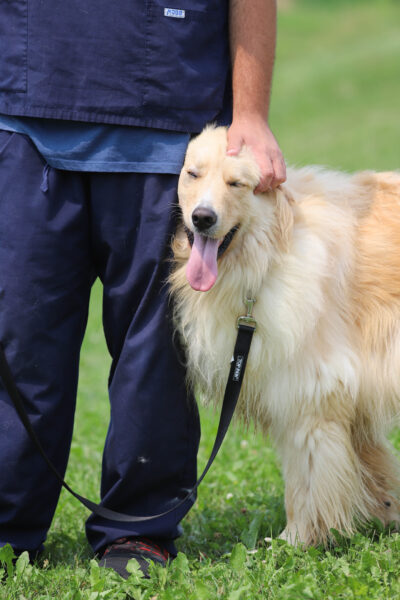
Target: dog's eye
<point x="235" y="183"/>
<point x="192" y="174"/>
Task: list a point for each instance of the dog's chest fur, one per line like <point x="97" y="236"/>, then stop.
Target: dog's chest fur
<point x="300" y="350"/>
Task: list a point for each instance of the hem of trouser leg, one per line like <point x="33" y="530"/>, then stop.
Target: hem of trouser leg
<point x="169" y="546"/>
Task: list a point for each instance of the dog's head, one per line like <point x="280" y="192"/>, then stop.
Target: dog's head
<point x="216" y="196"/>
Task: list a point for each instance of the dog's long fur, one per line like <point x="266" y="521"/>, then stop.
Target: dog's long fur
<point x="322" y="257"/>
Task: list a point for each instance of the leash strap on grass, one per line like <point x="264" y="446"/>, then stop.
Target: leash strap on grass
<point x="231" y="396"/>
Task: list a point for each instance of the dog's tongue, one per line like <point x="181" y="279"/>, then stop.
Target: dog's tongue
<point x="202" y="270"/>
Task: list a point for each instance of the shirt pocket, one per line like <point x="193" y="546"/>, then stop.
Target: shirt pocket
<point x="186" y="54"/>
<point x="13" y="45"/>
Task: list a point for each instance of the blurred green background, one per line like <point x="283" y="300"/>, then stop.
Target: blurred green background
<point x="336" y="93"/>
<point x="335" y="102"/>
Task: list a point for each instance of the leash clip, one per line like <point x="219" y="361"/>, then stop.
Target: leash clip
<point x="248" y="319"/>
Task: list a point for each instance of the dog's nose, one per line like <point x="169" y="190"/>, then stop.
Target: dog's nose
<point x="203" y="218"/>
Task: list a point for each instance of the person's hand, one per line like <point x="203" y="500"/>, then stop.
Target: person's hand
<point x="256" y="135"/>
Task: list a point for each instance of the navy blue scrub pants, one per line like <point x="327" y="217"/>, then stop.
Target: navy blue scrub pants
<point x="55" y="240"/>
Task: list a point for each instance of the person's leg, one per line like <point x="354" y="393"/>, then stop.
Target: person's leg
<point x="152" y="442"/>
<point x="45" y="280"/>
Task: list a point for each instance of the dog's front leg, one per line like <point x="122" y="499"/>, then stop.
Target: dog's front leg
<point x="323" y="481"/>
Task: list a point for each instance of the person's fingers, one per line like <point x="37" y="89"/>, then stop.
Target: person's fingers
<point x="266" y="175"/>
<point x="273" y="173"/>
<point x="235" y="142"/>
<point x="279" y="172"/>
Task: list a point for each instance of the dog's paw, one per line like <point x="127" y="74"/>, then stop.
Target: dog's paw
<point x="291" y="535"/>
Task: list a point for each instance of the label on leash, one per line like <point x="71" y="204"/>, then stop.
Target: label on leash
<point x="238" y="368"/>
<point x="176" y="13"/>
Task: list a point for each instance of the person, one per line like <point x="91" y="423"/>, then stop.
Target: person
<point x="97" y="104"/>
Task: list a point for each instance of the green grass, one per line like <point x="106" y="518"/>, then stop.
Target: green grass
<point x="335" y="102"/>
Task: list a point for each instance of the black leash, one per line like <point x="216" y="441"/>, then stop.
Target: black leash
<point x="246" y="326"/>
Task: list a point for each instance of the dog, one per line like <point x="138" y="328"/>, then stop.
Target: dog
<point x="321" y="257"/>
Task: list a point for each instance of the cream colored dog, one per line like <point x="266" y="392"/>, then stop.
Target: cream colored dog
<point x="321" y="256"/>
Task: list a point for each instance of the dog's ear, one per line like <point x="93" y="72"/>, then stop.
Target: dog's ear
<point x="284" y="216"/>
